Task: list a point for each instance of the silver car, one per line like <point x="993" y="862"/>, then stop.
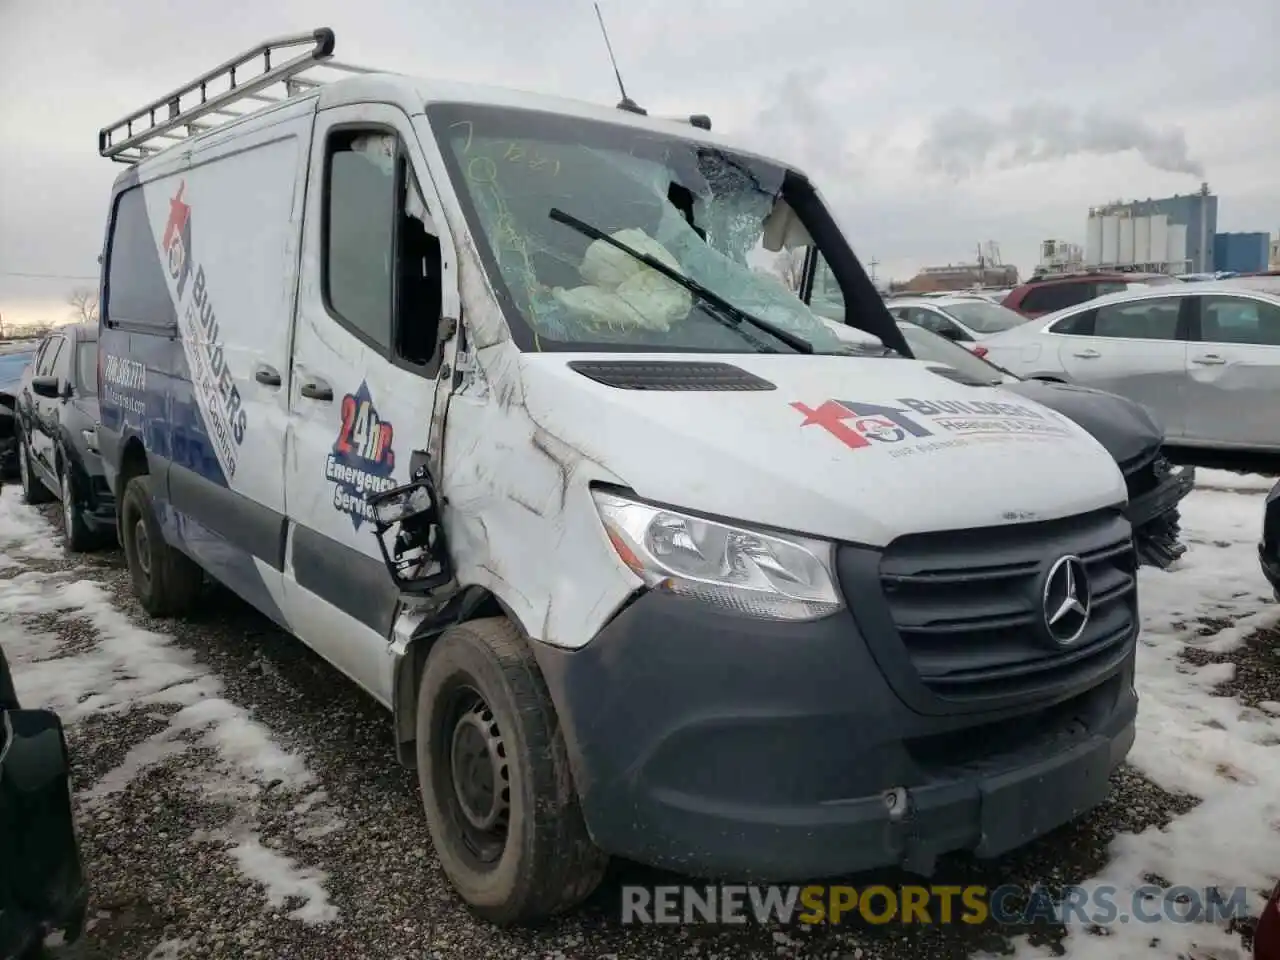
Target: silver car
<point x="1203" y="357"/>
<point x="964" y="318"/>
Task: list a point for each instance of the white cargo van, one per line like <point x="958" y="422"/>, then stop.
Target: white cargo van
<point x="479" y="394"/>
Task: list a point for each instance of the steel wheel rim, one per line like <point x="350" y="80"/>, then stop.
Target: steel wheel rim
<point x="68" y="510"/>
<point x="479" y="788"/>
<point x="142" y="547"/>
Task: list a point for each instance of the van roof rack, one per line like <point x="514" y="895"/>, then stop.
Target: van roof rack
<point x="166" y="120"/>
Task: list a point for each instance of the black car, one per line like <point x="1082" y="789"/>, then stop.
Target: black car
<point x="1124" y="428"/>
<point x="57" y="417"/>
<point x="14" y="358"/>
<point x="1269" y="547"/>
<point x="42" y="883"/>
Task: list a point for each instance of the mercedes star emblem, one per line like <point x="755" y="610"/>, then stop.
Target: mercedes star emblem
<point x="1067" y="600"/>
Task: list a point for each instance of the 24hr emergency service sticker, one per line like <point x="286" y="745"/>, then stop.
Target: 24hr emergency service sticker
<point x="362" y="459"/>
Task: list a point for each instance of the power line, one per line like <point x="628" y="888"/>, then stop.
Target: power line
<point x="46" y="276"/>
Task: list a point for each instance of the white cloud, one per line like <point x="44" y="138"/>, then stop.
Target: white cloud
<point x="1040" y="110"/>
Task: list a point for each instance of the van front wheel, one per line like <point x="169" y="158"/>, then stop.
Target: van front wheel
<point x="496" y="787"/>
<point x="166" y="581"/>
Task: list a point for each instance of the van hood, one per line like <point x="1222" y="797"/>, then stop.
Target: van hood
<point x="837" y="447"/>
<point x="1126" y="428"/>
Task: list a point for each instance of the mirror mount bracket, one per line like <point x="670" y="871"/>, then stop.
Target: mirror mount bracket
<point x="410" y="532"/>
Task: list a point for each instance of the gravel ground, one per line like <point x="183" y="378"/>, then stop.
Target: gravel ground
<point x="164" y="886"/>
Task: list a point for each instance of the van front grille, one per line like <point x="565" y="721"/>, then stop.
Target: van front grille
<point x="970" y="608"/>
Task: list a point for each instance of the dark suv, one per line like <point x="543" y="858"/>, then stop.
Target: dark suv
<point x="57" y="419"/>
<point x="1042" y="295"/>
<point x="42" y="881"/>
<point x="1269" y="547"/>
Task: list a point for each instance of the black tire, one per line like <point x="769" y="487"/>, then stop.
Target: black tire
<point x="481" y="676"/>
<point x="166" y="581"/>
<point x="78" y="535"/>
<point x="8" y="695"/>
<point x="34" y="491"/>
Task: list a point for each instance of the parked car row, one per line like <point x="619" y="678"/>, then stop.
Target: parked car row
<point x="1041" y="295"/>
<point x="961" y="318"/>
<point x="14" y="359"/>
<point x="1204" y="358"/>
<point x="55" y="435"/>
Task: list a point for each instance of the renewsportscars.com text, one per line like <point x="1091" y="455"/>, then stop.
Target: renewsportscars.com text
<point x="1098" y="905"/>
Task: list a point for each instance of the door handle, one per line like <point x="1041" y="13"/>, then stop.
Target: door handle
<point x="1087" y="354"/>
<point x="317" y="389"/>
<point x="267" y="376"/>
<point x="1209" y="360"/>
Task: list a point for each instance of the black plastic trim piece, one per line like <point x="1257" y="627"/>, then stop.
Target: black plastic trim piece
<point x="669" y="375"/>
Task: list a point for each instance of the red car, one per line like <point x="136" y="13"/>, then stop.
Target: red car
<point x="1266" y="936"/>
<point x="1042" y="295"/>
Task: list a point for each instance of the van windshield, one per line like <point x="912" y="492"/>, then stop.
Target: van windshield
<point x="699" y="209"/>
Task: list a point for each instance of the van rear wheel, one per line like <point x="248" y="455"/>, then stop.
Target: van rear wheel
<point x="166" y="581"/>
<point x="498" y="794"/>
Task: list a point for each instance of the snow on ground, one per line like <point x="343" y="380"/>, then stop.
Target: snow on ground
<point x="1190" y="740"/>
<point x="127" y="668"/>
<point x="1229" y="480"/>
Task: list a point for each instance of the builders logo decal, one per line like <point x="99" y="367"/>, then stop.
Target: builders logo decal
<point x="859" y="425"/>
<point x="215" y="390"/>
<point x="362" y="459"/>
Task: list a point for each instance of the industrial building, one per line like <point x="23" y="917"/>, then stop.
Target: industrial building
<point x="1241" y="252"/>
<point x="1060" y="256"/>
<point x="1172" y="235"/>
<point x="989" y="270"/>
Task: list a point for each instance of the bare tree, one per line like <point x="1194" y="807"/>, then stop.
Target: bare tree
<point x="84" y="304"/>
<point x="789" y="266"/>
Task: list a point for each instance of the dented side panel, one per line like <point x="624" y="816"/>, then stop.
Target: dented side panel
<point x="519" y="516"/>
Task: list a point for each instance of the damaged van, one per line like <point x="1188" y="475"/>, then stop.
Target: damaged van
<point x="483" y="396"/>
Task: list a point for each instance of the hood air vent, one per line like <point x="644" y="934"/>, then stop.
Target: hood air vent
<point x="669" y="375"/>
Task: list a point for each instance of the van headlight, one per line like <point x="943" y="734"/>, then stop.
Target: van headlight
<point x="771" y="576"/>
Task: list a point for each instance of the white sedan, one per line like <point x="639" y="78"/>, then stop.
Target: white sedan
<point x="1203" y="357"/>
<point x="967" y="319"/>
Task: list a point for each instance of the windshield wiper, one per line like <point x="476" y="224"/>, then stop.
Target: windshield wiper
<point x="728" y="314"/>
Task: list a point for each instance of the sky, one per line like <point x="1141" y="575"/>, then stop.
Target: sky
<point x="930" y="126"/>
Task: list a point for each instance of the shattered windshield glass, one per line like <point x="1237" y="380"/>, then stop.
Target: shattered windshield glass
<point x="700" y="210"/>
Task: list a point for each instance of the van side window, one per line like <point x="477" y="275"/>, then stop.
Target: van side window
<point x="382" y="264"/>
<point x="137" y="289"/>
<point x="359" y="227"/>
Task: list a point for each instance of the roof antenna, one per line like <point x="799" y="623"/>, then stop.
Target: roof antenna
<point x="626" y="103"/>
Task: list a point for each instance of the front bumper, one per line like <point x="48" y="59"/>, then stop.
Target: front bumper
<point x="733" y="748"/>
<point x="1154" y="495"/>
<point x="93" y="495"/>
